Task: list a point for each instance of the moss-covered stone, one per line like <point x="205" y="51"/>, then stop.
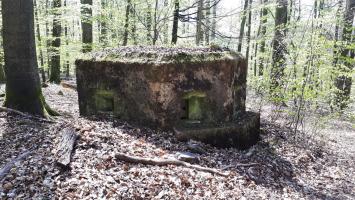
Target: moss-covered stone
<point x="153" y="54"/>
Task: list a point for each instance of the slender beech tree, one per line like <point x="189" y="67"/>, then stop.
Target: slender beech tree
<point x="343" y="81"/>
<point x="86" y="24"/>
<point x="2" y="73"/>
<point x="263" y="17"/>
<point x="126" y="25"/>
<point x="166" y="24"/>
<point x="199" y="23"/>
<point x="55" y="50"/>
<point x="214" y="21"/>
<point x="23" y="88"/>
<point x="207" y="22"/>
<point x="39" y="39"/>
<point x="103" y="28"/>
<point x="48" y="41"/>
<point x="174" y="34"/>
<point x="279" y="48"/>
<point x="134" y="24"/>
<point x="249" y="29"/>
<point x="242" y="25"/>
<point x="66" y="35"/>
<point x="149" y="23"/>
<point x="155" y="25"/>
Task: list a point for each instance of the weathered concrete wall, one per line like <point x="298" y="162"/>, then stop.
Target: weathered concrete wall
<point x="158" y="94"/>
<point x="160" y="90"/>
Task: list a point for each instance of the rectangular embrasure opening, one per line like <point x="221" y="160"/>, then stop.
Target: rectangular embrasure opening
<point x="193" y="105"/>
<point x="104" y="101"/>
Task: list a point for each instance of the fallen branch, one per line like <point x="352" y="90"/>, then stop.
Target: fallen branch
<point x="241" y="165"/>
<point x="68" y="85"/>
<point x="9" y="110"/>
<point x="6" y="169"/>
<point x="164" y="162"/>
<point x="66" y="146"/>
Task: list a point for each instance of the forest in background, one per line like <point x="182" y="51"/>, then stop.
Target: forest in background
<point x="300" y="79"/>
<point x="299" y="52"/>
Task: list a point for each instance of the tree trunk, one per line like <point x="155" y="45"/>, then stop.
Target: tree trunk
<point x="67" y="63"/>
<point x="279" y="48"/>
<point x="134" y="24"/>
<point x="208" y="22"/>
<point x="48" y="41"/>
<point x="249" y="30"/>
<point x="166" y="24"/>
<point x="242" y="25"/>
<point x="2" y="75"/>
<point x="155" y="29"/>
<point x="343" y="81"/>
<point x="199" y="20"/>
<point x="57" y="32"/>
<point x="103" y="29"/>
<point x="23" y="88"/>
<point x="174" y="35"/>
<point x="149" y="23"/>
<point x="38" y="30"/>
<point x="262" y="36"/>
<point x="126" y="25"/>
<point x="214" y="22"/>
<point x="86" y="24"/>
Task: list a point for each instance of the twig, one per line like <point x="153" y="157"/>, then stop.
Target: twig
<point x="6" y="169"/>
<point x="164" y="162"/>
<point x="241" y="165"/>
<point x="3" y="109"/>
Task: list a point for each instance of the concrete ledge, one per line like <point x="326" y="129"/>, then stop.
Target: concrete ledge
<point x="242" y="133"/>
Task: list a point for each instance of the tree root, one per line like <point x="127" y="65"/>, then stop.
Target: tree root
<point x="9" y="110"/>
<point x="164" y="162"/>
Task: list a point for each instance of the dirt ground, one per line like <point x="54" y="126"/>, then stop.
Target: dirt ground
<point x="314" y="165"/>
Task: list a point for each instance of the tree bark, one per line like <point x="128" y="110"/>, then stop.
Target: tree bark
<point x="103" y="28"/>
<point x="343" y="81"/>
<point x="86" y="24"/>
<point x="66" y="146"/>
<point x="149" y="23"/>
<point x="214" y="22"/>
<point x="262" y="36"/>
<point x="134" y="24"/>
<point x="66" y="62"/>
<point x="242" y="25"/>
<point x="23" y="88"/>
<point x="57" y="32"/>
<point x="279" y="48"/>
<point x="126" y="25"/>
<point x="249" y="30"/>
<point x="199" y="21"/>
<point x="208" y="22"/>
<point x="155" y="27"/>
<point x="174" y="34"/>
<point x="39" y="39"/>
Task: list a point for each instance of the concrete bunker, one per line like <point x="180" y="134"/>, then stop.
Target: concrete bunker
<point x="198" y="92"/>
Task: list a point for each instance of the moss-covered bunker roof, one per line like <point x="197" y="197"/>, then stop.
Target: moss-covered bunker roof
<point x="154" y="54"/>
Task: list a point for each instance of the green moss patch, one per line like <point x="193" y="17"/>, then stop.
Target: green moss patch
<point x="153" y="54"/>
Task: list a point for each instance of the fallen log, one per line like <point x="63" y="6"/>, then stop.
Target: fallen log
<point x="9" y="110"/>
<point x="68" y="85"/>
<point x="164" y="162"/>
<point x="7" y="168"/>
<point x="65" y="146"/>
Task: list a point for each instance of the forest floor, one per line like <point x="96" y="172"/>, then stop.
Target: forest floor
<point x="319" y="164"/>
